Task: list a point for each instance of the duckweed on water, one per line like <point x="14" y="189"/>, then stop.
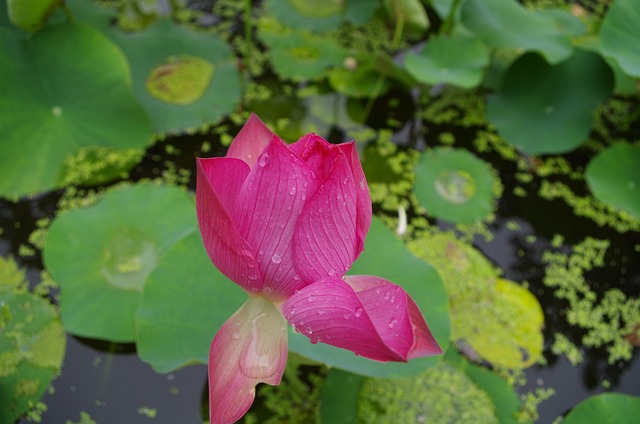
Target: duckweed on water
<point x="441" y="394"/>
<point x="589" y="207"/>
<point x="607" y="321"/>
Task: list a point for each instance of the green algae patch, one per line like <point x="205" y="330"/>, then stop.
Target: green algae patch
<point x="101" y="255"/>
<point x="442" y="394"/>
<point x="454" y="185"/>
<point x="180" y="80"/>
<point x="32" y="344"/>
<point x="499" y="320"/>
<point x="609" y="321"/>
<point x="98" y="165"/>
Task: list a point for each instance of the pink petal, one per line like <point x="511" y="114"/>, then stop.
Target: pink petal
<point x="317" y="152"/>
<point x="325" y="243"/>
<point x="250" y="348"/>
<point x="250" y="141"/>
<point x="363" y="221"/>
<point x="330" y="311"/>
<point x="218" y="182"/>
<point x="267" y="213"/>
<point x="383" y="299"/>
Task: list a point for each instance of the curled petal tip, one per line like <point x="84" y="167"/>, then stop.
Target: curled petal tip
<point x="250" y="348"/>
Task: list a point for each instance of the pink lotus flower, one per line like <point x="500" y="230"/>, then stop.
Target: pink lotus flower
<point x="285" y="222"/>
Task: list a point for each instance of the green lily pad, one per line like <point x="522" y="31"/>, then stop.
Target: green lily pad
<point x="513" y="337"/>
<point x="549" y="109"/>
<point x="31" y="15"/>
<point x="358" y="77"/>
<point x="457" y="60"/>
<point x="339" y="403"/>
<point x="65" y="88"/>
<point x="502" y="23"/>
<point x="183" y="307"/>
<point x="199" y="62"/>
<point x="321" y="16"/>
<point x="615" y="408"/>
<point x="565" y="21"/>
<point x="454" y="185"/>
<point x="614" y="177"/>
<point x="208" y="70"/>
<point x="620" y="36"/>
<point x="101" y="256"/>
<point x="387" y="256"/>
<point x="32" y="344"/>
<point x="297" y="54"/>
<point x="408" y="13"/>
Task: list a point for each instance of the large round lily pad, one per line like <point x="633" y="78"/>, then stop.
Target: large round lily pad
<point x="298" y="54"/>
<point x="614" y="177"/>
<point x="512" y="337"/>
<point x="501" y="23"/>
<point x="65" y="88"/>
<point x="183" y="78"/>
<point x="102" y="255"/>
<point x="387" y="256"/>
<point x="183" y="307"/>
<point x="454" y="185"/>
<point x="615" y="408"/>
<point x="620" y="36"/>
<point x="549" y="109"/>
<point x="32" y="344"/>
<point x="321" y="16"/>
<point x="457" y="60"/>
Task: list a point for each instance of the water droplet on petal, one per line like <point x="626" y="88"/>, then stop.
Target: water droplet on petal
<point x="393" y="322"/>
<point x="292" y="191"/>
<point x="310" y="298"/>
<point x="359" y="312"/>
<point x="276" y="259"/>
<point x="362" y="183"/>
<point x="264" y="160"/>
<point x="345" y="181"/>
